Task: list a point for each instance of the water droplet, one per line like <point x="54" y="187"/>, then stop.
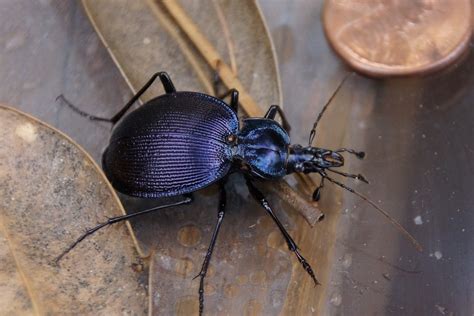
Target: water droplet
<point x="275" y="240"/>
<point x="347" y="260"/>
<point x="418" y="220"/>
<point x="336" y="299"/>
<point x="209" y="289"/>
<point x="187" y="305"/>
<point x="242" y="279"/>
<point x="253" y="308"/>
<point x="189" y="236"/>
<point x="258" y="277"/>
<point x="184" y="267"/>
<point x="231" y="290"/>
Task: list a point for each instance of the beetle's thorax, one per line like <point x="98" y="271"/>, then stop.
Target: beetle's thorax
<point x="262" y="147"/>
<point x="312" y="159"/>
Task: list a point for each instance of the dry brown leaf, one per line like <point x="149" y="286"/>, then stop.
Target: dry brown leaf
<point x="50" y="191"/>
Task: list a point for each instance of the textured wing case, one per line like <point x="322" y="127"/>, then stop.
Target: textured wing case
<point x="172" y="145"/>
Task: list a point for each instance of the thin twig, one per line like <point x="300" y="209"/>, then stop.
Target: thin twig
<point x="227" y="37"/>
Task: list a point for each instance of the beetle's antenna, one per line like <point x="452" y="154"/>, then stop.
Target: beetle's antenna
<point x="313" y="130"/>
<point x="381" y="211"/>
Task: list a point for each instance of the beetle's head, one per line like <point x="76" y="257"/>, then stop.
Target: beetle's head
<point x="313" y="159"/>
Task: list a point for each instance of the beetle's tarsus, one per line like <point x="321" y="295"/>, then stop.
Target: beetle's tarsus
<point x="359" y="176"/>
<point x="70" y="105"/>
<point x="165" y="81"/>
<point x="307" y="267"/>
<point x="358" y="154"/>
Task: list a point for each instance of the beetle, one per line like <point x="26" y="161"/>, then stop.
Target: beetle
<point x="181" y="142"/>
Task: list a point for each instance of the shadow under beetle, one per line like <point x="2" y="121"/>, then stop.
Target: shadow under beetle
<point x="181" y="142"/>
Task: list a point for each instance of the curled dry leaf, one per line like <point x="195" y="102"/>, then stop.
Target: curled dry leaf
<point x="50" y="191"/>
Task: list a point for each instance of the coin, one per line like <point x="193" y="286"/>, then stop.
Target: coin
<point x="398" y="37"/>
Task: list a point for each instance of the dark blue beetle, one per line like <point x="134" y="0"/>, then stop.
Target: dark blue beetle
<point x="181" y="142"/>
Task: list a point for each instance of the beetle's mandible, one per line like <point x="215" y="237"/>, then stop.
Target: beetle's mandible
<point x="181" y="142"/>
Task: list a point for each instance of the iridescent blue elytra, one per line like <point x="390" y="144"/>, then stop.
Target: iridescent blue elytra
<point x="174" y="144"/>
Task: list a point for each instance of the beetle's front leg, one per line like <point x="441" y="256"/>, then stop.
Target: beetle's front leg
<point x="258" y="196"/>
<point x="272" y="112"/>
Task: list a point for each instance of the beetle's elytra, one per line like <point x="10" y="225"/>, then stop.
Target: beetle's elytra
<point x="181" y="142"/>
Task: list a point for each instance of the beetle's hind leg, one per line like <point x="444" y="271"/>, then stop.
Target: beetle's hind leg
<point x="187" y="199"/>
<point x="91" y="117"/>
<point x="272" y="112"/>
<point x="258" y="196"/>
<point x="207" y="259"/>
<point x="165" y="80"/>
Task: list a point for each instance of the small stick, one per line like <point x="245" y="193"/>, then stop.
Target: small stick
<point x="227" y="37"/>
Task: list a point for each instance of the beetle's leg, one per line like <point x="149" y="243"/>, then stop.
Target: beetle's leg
<point x="165" y="80"/>
<point x="188" y="199"/>
<point x="272" y="112"/>
<point x="317" y="191"/>
<point x="205" y="264"/>
<point x="258" y="196"/>
<point x="216" y="80"/>
<point x="349" y="175"/>
<point x="359" y="154"/>
<point x="234" y="98"/>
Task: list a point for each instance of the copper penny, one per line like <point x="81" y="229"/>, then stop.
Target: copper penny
<point x="398" y="37"/>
